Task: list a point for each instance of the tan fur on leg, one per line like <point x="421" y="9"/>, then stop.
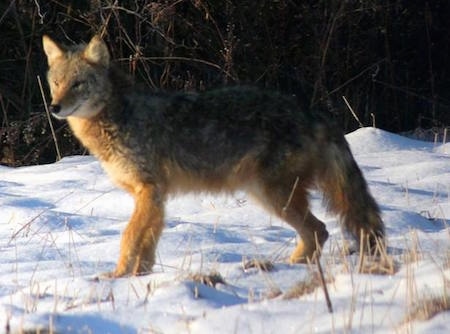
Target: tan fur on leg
<point x="139" y="240"/>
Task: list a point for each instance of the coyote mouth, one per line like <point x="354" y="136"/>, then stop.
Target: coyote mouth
<point x="60" y="114"/>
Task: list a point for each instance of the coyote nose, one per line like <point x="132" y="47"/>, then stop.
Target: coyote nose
<point x="55" y="108"/>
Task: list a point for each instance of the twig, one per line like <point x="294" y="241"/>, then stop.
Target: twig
<point x="58" y="154"/>
<point x="41" y="16"/>
<point x="374" y="66"/>
<point x="106" y="22"/>
<point x="322" y="279"/>
<point x="325" y="46"/>
<point x="361" y="251"/>
<point x="324" y="286"/>
<point x="187" y="59"/>
<point x="290" y="197"/>
<point x="353" y="112"/>
<point x="28" y="223"/>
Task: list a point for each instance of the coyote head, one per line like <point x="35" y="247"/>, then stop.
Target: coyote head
<point x="78" y="78"/>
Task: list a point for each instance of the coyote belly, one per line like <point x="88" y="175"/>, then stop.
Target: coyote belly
<point x="156" y="144"/>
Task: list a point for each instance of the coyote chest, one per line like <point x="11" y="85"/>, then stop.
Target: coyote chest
<point x="110" y="152"/>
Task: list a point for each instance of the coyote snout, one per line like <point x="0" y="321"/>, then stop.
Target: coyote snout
<point x="55" y="109"/>
<point x="155" y="144"/>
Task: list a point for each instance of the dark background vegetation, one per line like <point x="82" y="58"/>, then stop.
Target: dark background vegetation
<point x="390" y="59"/>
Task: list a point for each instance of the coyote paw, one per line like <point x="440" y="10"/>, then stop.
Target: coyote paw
<point x="303" y="254"/>
<point x="298" y="255"/>
<point x="105" y="276"/>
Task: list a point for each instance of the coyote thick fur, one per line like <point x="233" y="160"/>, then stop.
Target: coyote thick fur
<point x="156" y="144"/>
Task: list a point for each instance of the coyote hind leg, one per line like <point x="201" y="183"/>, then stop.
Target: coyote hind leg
<point x="290" y="203"/>
<point x="313" y="236"/>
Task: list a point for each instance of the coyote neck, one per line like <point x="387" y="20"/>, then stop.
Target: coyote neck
<point x="93" y="134"/>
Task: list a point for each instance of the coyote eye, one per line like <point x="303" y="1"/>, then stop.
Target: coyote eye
<point x="77" y="84"/>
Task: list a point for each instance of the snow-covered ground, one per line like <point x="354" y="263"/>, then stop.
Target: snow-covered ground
<point x="60" y="226"/>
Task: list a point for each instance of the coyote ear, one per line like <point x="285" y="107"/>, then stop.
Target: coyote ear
<point x="97" y="52"/>
<point x="51" y="49"/>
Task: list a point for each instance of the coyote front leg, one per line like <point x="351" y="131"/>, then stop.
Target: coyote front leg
<point x="139" y="240"/>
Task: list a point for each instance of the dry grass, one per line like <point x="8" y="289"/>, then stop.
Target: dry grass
<point x="263" y="265"/>
<point x="211" y="279"/>
<point x="378" y="261"/>
<point x="307" y="286"/>
<point x="428" y="307"/>
<point x="417" y="306"/>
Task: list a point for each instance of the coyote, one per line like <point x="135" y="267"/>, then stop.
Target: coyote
<point x="153" y="144"/>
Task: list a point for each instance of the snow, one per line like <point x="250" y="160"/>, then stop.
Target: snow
<point x="60" y="226"/>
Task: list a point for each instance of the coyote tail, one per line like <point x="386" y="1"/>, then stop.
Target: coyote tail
<point x="346" y="193"/>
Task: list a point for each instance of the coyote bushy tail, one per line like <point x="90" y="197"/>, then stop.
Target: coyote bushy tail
<point x="156" y="144"/>
<point x="346" y="193"/>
